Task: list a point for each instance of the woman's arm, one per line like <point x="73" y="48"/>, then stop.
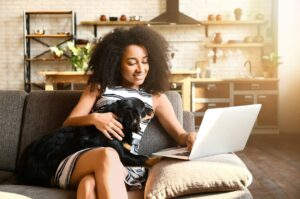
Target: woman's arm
<point x="107" y="123"/>
<point x="165" y="113"/>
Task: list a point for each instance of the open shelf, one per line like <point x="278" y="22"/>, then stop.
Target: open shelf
<point x="235" y="45"/>
<point x="47" y="59"/>
<point x="49" y="36"/>
<point x="233" y="22"/>
<point x="97" y="23"/>
<point x="45" y="12"/>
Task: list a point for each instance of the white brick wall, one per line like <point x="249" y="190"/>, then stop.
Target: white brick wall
<point x="188" y="42"/>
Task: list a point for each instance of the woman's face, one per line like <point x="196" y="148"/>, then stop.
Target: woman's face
<point x="134" y="66"/>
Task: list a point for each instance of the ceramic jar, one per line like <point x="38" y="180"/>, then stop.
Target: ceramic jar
<point x="218" y="38"/>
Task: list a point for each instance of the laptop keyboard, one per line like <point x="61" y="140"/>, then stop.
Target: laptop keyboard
<point x="186" y="153"/>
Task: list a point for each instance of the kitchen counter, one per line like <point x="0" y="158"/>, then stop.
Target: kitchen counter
<point x="186" y="84"/>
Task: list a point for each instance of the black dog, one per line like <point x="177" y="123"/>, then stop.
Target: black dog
<point x="40" y="159"/>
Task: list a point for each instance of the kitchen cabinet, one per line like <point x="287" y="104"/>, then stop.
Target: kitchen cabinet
<point x="264" y="93"/>
<point x="43" y="37"/>
<point x="207" y="95"/>
<point x="216" y="93"/>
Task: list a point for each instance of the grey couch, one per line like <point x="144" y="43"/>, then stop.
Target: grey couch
<point x="25" y="117"/>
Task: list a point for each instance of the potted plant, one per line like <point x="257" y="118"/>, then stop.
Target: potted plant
<point x="238" y="13"/>
<point x="270" y="64"/>
<point x="80" y="55"/>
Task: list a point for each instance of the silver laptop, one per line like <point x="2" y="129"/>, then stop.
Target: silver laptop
<point x="222" y="130"/>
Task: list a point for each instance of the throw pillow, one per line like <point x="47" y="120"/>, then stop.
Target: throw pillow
<point x="173" y="178"/>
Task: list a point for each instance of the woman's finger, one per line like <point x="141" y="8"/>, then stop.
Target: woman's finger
<point x="115" y="134"/>
<point x="118" y="124"/>
<point x="106" y="134"/>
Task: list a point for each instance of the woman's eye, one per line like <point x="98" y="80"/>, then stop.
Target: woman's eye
<point x="131" y="63"/>
<point x="145" y="62"/>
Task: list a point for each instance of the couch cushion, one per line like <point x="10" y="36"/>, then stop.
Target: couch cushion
<point x="5" y="175"/>
<point x="238" y="194"/>
<point x="155" y="137"/>
<point x="46" y="111"/>
<point x="22" y="191"/>
<point x="11" y="110"/>
<point x="172" y="178"/>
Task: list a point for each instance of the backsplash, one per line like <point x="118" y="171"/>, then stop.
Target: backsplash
<point x="188" y="42"/>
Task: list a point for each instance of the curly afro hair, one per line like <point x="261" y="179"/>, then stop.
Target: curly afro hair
<point x="105" y="62"/>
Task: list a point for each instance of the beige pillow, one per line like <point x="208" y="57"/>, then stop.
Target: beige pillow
<point x="172" y="178"/>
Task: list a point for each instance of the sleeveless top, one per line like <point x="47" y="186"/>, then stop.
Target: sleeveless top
<point x="136" y="175"/>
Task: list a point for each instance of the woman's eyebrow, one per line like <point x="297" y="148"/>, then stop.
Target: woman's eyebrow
<point x="134" y="58"/>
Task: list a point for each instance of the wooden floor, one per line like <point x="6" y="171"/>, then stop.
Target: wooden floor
<point x="274" y="161"/>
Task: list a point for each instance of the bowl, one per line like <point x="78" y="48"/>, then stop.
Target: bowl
<point x="113" y="18"/>
<point x="39" y="31"/>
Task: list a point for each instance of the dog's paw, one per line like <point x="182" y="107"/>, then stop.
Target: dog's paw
<point x="153" y="160"/>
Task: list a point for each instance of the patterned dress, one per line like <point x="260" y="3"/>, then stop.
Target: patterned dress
<point x="136" y="175"/>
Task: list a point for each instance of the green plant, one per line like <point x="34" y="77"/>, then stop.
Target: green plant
<point x="272" y="59"/>
<point x="80" y="55"/>
<point x="238" y="11"/>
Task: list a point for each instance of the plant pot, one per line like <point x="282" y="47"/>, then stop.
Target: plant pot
<point x="269" y="69"/>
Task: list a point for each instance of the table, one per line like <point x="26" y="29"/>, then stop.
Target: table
<point x="56" y="77"/>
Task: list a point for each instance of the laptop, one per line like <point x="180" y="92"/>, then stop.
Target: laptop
<point x="223" y="130"/>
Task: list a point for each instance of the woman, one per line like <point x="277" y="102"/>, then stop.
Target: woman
<point x="125" y="63"/>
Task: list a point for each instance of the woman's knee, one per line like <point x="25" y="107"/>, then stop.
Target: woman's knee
<point x="88" y="181"/>
<point x="108" y="156"/>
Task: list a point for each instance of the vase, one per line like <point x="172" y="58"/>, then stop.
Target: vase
<point x="218" y="38"/>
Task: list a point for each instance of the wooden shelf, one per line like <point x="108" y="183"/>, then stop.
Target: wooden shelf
<point x="95" y="24"/>
<point x="130" y="23"/>
<point x="236" y="45"/>
<point x="113" y="23"/>
<point x="47" y="59"/>
<point x="233" y="22"/>
<point x="49" y="36"/>
<point x="48" y="12"/>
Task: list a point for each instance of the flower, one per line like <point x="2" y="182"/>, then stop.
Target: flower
<point x="56" y="51"/>
<point x="80" y="55"/>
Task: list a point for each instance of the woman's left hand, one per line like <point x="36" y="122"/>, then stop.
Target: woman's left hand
<point x="190" y="139"/>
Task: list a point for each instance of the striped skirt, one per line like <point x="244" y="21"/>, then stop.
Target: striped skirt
<point x="135" y="178"/>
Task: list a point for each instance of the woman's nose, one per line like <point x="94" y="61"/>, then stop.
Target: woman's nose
<point x="139" y="67"/>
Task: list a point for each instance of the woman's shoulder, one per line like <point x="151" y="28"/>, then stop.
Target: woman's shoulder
<point x="159" y="99"/>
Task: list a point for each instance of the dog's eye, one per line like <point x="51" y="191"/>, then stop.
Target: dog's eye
<point x="143" y="114"/>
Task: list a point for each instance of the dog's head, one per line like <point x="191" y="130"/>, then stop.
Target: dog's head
<point x="130" y="112"/>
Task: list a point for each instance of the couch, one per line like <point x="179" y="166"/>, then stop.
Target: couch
<point x="25" y="117"/>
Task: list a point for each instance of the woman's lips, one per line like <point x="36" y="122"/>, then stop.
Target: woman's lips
<point x="139" y="77"/>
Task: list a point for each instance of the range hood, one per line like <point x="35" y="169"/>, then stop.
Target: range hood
<point x="172" y="15"/>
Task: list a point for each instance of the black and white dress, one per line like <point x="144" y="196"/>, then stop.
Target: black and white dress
<point x="136" y="175"/>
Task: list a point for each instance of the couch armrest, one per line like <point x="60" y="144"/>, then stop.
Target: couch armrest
<point x="188" y="121"/>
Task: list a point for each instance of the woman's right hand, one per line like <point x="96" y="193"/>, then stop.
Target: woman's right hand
<point x="108" y="124"/>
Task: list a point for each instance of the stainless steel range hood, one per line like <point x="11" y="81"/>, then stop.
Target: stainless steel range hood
<point x="172" y="15"/>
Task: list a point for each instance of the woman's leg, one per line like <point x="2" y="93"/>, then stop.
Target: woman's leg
<point x="87" y="188"/>
<point x="104" y="163"/>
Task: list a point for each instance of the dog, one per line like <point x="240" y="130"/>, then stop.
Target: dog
<point x="41" y="158"/>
